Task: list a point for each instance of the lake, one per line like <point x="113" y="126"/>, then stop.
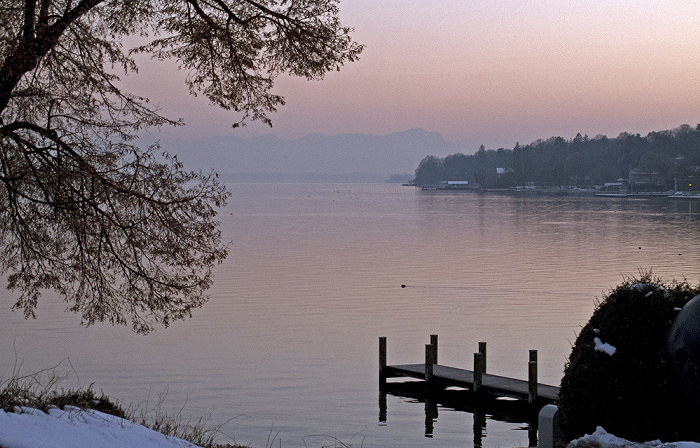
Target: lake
<point x="285" y="351"/>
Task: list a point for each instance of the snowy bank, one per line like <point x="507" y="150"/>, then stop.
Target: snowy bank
<point x="602" y="439"/>
<point x="76" y="428"/>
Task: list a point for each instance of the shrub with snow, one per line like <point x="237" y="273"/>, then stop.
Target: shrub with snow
<point x="619" y="375"/>
<point x="602" y="439"/>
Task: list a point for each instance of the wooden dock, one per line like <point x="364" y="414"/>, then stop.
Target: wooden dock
<point x="477" y="380"/>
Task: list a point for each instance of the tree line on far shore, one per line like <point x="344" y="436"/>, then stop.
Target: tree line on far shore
<point x="671" y="158"/>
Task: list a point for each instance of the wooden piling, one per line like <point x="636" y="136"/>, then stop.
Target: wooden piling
<point x="434" y="343"/>
<point x="429" y="357"/>
<point x="478" y="372"/>
<point x="482" y="350"/>
<point x="382" y="362"/>
<point x="532" y="378"/>
<point x="533" y="355"/>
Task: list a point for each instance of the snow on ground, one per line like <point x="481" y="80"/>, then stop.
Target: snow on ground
<point x="76" y="428"/>
<point x="601" y="438"/>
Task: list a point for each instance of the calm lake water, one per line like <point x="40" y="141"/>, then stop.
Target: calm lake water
<point x="286" y="349"/>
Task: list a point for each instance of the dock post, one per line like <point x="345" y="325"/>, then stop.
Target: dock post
<point x="532" y="378"/>
<point x="429" y="356"/>
<point x="382" y="362"/>
<point x="482" y="350"/>
<point x="434" y="343"/>
<point x="478" y="373"/>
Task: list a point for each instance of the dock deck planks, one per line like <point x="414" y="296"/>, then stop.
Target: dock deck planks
<point x="491" y="384"/>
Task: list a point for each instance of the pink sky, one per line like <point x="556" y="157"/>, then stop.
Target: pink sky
<point x="483" y="72"/>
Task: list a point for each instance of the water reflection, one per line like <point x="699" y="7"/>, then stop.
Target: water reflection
<point x="479" y="426"/>
<point x="431" y="415"/>
<point x="482" y="409"/>
<point x="313" y="278"/>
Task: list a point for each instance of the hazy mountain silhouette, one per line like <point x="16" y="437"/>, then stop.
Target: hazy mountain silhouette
<point x="361" y="157"/>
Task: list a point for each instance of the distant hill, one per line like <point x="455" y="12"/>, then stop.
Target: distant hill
<point x="315" y="157"/>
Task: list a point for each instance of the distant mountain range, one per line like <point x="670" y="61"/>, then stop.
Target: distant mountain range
<point x="314" y="157"/>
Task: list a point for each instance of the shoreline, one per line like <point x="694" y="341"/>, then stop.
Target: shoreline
<point x="561" y="192"/>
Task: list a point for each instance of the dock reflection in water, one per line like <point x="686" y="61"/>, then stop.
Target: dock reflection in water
<point x="461" y="400"/>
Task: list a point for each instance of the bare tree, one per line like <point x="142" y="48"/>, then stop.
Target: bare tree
<point x="125" y="234"/>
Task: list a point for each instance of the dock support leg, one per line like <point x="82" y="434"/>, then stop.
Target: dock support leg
<point x="532" y="379"/>
<point x="382" y="362"/>
<point x="434" y="343"/>
<point x="482" y="350"/>
<point x="478" y="373"/>
<point x="429" y="357"/>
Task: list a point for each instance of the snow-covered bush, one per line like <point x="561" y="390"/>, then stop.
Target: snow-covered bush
<point x="619" y="375"/>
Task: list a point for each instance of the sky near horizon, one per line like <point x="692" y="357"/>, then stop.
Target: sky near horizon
<point x="492" y="73"/>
